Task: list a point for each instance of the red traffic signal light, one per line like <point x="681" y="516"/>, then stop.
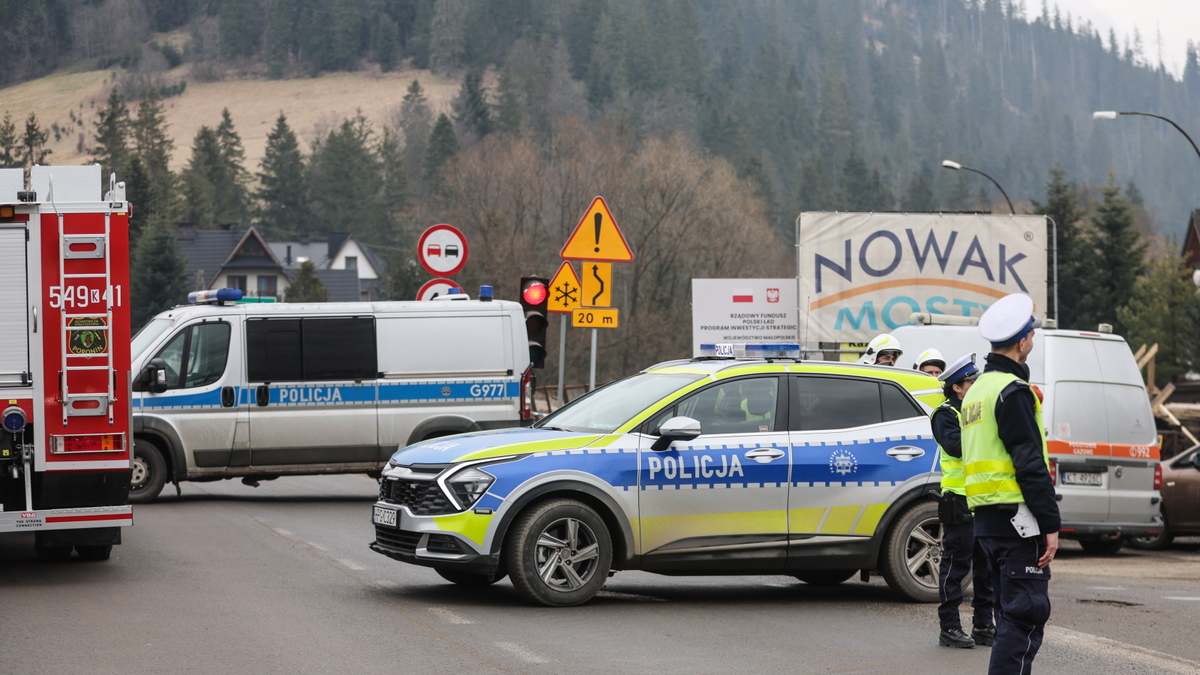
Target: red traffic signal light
<point x="534" y="293"/>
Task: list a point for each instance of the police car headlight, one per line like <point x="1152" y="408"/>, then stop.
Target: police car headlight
<point x="469" y="485"/>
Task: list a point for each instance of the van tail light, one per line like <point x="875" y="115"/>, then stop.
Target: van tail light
<point x="527" y="395"/>
<point x="1053" y="472"/>
<point x="1158" y="476"/>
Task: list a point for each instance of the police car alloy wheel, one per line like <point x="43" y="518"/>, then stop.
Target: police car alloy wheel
<point x="912" y="553"/>
<point x="559" y="553"/>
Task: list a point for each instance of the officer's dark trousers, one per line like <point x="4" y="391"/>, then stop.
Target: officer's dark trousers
<point x="1022" y="601"/>
<point x="960" y="552"/>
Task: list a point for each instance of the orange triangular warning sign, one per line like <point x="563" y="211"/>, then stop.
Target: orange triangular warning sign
<point x="597" y="237"/>
<point x="564" y="289"/>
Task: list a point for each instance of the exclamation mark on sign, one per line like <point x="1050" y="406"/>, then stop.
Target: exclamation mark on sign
<point x="599" y="219"/>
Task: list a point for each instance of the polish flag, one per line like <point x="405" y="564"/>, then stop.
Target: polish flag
<point x="743" y="295"/>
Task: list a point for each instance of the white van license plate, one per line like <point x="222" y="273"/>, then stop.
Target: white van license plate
<point x="384" y="516"/>
<point x="1076" y="478"/>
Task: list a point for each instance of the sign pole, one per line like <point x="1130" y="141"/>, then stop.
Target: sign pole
<point x="592" y="370"/>
<point x="562" y="355"/>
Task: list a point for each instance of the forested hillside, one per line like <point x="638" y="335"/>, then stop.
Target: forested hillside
<point x="762" y="107"/>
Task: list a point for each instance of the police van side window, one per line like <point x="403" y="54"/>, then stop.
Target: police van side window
<point x="896" y="404"/>
<point x="821" y="403"/>
<point x="311" y="349"/>
<point x="196" y="357"/>
<point x="738" y="407"/>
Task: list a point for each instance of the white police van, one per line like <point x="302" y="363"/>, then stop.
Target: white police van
<point x="1100" y="431"/>
<point x="264" y="390"/>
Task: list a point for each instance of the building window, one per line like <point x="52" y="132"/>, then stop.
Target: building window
<point x="266" y="286"/>
<point x="238" y="282"/>
<point x="351" y="262"/>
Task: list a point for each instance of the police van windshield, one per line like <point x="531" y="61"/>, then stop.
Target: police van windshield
<point x="612" y="405"/>
<point x="147" y="335"/>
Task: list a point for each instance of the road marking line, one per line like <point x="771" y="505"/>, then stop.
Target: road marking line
<point x="448" y="616"/>
<point x="351" y="564"/>
<point x="1173" y="597"/>
<point x="282" y="531"/>
<point x="614" y="595"/>
<point x="521" y="652"/>
<point x="316" y="546"/>
<point x="1108" y="588"/>
<point x="1154" y="661"/>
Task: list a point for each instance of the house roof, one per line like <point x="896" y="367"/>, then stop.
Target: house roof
<point x="341" y="284"/>
<point x="205" y="251"/>
<point x="1191" y="239"/>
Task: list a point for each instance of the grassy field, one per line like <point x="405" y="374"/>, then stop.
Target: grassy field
<point x="312" y="105"/>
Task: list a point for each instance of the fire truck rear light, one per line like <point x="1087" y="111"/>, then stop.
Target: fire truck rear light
<point x="60" y="445"/>
<point x="8" y="212"/>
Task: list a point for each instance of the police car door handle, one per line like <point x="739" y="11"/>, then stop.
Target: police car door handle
<point x="905" y="453"/>
<point x="764" y="455"/>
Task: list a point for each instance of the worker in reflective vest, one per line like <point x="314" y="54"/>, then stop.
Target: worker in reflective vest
<point x="1008" y="486"/>
<point x="960" y="551"/>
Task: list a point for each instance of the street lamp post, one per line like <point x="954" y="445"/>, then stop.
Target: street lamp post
<point x="950" y="164"/>
<point x="1112" y="115"/>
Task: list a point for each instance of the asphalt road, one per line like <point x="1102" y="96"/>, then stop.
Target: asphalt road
<point x="278" y="579"/>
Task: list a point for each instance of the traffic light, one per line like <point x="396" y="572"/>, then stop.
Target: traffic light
<point x="535" y="293"/>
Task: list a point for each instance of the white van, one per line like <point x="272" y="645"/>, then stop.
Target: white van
<point x="1099" y="427"/>
<point x="265" y="390"/>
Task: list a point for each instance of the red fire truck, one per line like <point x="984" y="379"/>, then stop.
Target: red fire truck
<point x="65" y="454"/>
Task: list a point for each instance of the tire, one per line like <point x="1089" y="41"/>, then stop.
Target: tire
<point x="1154" y="542"/>
<point x="558" y="553"/>
<point x="1097" y="547"/>
<point x="50" y="553"/>
<point x="825" y="577"/>
<point x="149" y="472"/>
<point x="912" y="553"/>
<point x="94" y="553"/>
<point x="468" y="579"/>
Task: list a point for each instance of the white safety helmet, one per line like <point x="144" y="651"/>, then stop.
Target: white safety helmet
<point x="930" y="357"/>
<point x="883" y="342"/>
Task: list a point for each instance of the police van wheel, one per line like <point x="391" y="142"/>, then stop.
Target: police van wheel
<point x="470" y="579"/>
<point x="559" y="553"/>
<point x="825" y="577"/>
<point x="149" y="472"/>
<point x="912" y="553"/>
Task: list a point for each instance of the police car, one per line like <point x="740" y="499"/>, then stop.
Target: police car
<point x="746" y="460"/>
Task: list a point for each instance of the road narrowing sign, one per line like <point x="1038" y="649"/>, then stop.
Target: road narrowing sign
<point x="597" y="285"/>
<point x="590" y="317"/>
<point x="564" y="290"/>
<point x="597" y="237"/>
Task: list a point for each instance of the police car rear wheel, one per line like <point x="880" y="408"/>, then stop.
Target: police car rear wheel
<point x="825" y="577"/>
<point x="912" y="553"/>
<point x="470" y="579"/>
<point x="149" y="472"/>
<point x="559" y="553"/>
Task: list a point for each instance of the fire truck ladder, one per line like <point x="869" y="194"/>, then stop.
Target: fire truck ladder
<point x="90" y="246"/>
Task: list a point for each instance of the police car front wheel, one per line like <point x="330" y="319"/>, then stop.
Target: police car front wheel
<point x="559" y="553"/>
<point x="912" y="553"/>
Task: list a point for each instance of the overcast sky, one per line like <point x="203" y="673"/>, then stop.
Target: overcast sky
<point x="1178" y="21"/>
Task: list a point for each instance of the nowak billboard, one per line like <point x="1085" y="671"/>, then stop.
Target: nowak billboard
<point x="861" y="274"/>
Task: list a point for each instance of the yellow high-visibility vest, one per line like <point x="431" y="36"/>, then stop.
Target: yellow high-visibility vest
<point x="987" y="466"/>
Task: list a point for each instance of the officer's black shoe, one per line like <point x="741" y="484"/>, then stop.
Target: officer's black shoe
<point x="984" y="635"/>
<point x="955" y="637"/>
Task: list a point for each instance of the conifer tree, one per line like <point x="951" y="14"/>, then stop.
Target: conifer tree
<point x="199" y="188"/>
<point x="347" y="182"/>
<point x="394" y="198"/>
<point x="156" y="277"/>
<point x="33" y="143"/>
<point x="416" y="120"/>
<point x="443" y="145"/>
<point x="306" y="287"/>
<point x="137" y="192"/>
<point x="9" y="143"/>
<point x="404" y="277"/>
<point x="229" y="181"/>
<point x="472" y="112"/>
<point x="919" y="196"/>
<point x="153" y="149"/>
<point x="508" y="109"/>
<point x="1121" y="252"/>
<point x="1164" y="309"/>
<point x="387" y="42"/>
<point x="113" y="127"/>
<point x="282" y="192"/>
<point x="1078" y="267"/>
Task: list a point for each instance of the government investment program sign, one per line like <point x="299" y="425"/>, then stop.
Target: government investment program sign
<point x="861" y="274"/>
<point x="743" y="310"/>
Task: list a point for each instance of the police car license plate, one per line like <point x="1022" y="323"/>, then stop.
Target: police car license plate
<point x="1077" y="478"/>
<point x="384" y="516"/>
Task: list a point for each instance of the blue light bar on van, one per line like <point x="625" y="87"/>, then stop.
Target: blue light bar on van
<point x="214" y="296"/>
<point x="743" y="350"/>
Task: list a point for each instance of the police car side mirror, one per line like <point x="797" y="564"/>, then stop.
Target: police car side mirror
<point x="675" y="429"/>
<point x="156" y="375"/>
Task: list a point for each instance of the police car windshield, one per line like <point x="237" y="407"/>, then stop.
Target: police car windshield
<point x="612" y="405"/>
<point x="147" y="335"/>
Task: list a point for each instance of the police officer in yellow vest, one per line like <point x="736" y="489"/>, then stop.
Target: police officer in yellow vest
<point x="1005" y="464"/>
<point x="960" y="551"/>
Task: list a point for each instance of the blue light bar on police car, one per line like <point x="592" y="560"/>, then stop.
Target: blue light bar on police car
<point x="214" y="296"/>
<point x="743" y="350"/>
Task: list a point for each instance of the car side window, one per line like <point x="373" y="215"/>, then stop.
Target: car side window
<point x="196" y="357"/>
<point x="744" y="406"/>
<point x="896" y="404"/>
<point x="821" y="403"/>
